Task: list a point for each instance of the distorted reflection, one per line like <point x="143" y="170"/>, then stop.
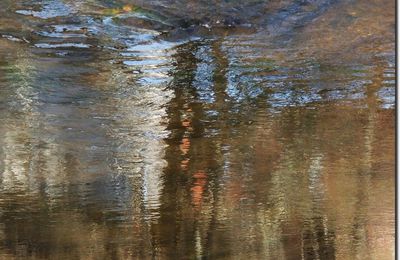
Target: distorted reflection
<point x="141" y="130"/>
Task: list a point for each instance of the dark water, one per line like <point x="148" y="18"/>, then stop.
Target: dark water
<point x="191" y="130"/>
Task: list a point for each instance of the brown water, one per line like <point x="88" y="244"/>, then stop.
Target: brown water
<point x="181" y="132"/>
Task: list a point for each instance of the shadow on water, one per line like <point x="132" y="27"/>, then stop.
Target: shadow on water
<point x="163" y="130"/>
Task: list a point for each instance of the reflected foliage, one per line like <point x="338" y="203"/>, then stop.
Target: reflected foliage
<point x="162" y="130"/>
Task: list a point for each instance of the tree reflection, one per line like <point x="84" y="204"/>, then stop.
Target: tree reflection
<point x="229" y="147"/>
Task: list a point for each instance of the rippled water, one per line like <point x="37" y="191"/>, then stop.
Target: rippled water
<point x="187" y="130"/>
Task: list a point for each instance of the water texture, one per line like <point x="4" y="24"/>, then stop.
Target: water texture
<point x="197" y="129"/>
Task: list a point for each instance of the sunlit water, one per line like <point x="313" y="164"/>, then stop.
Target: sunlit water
<point x="140" y="133"/>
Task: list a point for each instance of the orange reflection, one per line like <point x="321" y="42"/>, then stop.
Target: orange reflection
<point x="127" y="8"/>
<point x="199" y="187"/>
<point x="185" y="145"/>
<point x="185" y="164"/>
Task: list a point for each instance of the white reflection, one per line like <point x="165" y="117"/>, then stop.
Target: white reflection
<point x="140" y="127"/>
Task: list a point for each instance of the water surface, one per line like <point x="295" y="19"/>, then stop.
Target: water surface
<point x="186" y="130"/>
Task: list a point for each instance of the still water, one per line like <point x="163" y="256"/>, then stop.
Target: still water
<point x="197" y="129"/>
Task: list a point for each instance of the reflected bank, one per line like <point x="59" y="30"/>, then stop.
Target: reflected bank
<point x="129" y="133"/>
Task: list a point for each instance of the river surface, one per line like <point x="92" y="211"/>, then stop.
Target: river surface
<point x="197" y="129"/>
